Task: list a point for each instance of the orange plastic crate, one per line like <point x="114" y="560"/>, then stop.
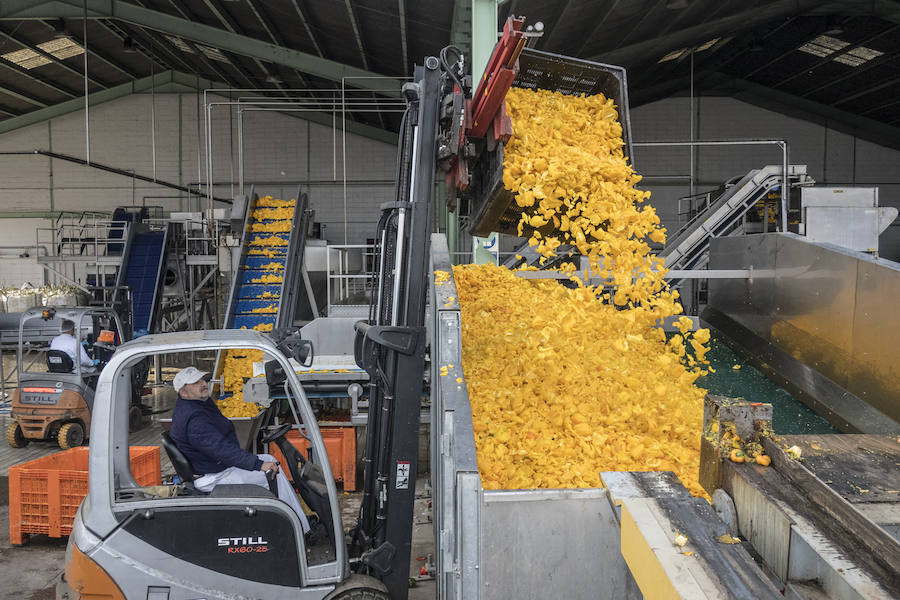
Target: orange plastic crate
<point x="45" y="493"/>
<point x="340" y="444"/>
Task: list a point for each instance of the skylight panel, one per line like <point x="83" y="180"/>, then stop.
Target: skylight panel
<point x="179" y="43"/>
<point x="58" y="48"/>
<point x="865" y="53"/>
<point x="27" y="59"/>
<point x="823" y="46"/>
<point x="707" y="45"/>
<point x="61" y="48"/>
<point x="832" y="43"/>
<point x="672" y="55"/>
<point x="213" y="53"/>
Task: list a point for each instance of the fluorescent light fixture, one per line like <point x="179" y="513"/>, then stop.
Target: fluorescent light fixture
<point x="61" y="48"/>
<point x="673" y="55"/>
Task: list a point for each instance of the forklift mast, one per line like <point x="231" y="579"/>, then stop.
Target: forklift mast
<point x="391" y="346"/>
<point x="442" y="128"/>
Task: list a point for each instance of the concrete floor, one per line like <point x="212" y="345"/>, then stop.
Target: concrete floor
<point x="30" y="572"/>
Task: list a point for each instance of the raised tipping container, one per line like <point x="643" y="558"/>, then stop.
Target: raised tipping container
<point x="45" y="493"/>
<point x="493" y="208"/>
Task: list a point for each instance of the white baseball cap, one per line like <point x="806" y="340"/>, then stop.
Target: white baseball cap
<point x="187" y="376"/>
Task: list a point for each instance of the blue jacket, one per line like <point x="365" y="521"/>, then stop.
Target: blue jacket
<point x="207" y="438"/>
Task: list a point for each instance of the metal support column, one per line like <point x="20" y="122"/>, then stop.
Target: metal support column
<point x="484" y="38"/>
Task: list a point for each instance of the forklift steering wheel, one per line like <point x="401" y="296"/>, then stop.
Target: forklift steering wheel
<point x="276" y="433"/>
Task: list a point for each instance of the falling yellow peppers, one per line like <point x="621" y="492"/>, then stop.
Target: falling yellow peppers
<point x="568" y="382"/>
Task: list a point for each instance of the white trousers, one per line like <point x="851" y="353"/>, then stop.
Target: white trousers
<point x="233" y="475"/>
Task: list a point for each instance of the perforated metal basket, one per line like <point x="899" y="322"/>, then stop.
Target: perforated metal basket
<point x="493" y="208"/>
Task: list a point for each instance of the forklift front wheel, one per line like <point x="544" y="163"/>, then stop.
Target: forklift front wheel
<point x="71" y="435"/>
<point x="360" y="587"/>
<point x="135" y="416"/>
<point x="15" y="436"/>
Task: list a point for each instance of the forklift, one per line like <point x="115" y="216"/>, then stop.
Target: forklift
<point x="239" y="541"/>
<point x="55" y="394"/>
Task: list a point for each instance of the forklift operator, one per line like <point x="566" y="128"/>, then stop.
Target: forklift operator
<point x="208" y="440"/>
<point x="66" y="342"/>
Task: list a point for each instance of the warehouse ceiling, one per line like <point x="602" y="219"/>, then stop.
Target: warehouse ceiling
<point x="829" y="62"/>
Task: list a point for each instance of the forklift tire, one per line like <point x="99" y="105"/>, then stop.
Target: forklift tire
<point x="135" y="418"/>
<point x="363" y="594"/>
<point x="15" y="437"/>
<point x="71" y="435"/>
<point x="359" y="587"/>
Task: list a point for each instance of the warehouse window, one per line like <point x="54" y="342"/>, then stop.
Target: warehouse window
<point x="58" y="48"/>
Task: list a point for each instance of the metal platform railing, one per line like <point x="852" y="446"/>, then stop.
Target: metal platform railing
<point x="349" y="285"/>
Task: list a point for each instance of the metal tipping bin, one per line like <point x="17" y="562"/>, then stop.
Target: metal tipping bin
<point x="493" y="208"/>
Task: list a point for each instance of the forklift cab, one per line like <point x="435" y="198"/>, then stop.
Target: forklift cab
<point x="174" y="542"/>
<point x="55" y="393"/>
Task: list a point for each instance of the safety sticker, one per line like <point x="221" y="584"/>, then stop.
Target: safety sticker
<point x="402" y="475"/>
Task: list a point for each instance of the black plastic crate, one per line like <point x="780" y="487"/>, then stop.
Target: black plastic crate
<point x="493" y="208"/>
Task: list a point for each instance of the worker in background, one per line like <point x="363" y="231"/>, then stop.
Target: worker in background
<point x="66" y="342"/>
<point x="208" y="440"/>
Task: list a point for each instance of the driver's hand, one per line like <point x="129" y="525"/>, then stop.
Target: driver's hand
<point x="269" y="466"/>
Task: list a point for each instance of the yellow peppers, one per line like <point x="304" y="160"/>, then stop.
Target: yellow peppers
<point x="566" y="382"/>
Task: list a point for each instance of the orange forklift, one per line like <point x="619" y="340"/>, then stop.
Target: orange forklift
<point x="55" y="394"/>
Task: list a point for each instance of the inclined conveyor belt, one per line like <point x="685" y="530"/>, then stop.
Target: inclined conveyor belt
<point x="263" y="293"/>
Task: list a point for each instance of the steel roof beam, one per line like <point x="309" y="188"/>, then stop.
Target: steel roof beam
<point x="274" y="36"/>
<point x="76" y="104"/>
<point x="21" y="96"/>
<point x="120" y="33"/>
<point x="354" y="22"/>
<point x="831" y="57"/>
<point x="171" y="82"/>
<point x="807" y="110"/>
<point x="189" y="15"/>
<point x="401" y="8"/>
<point x="198" y="32"/>
<point x="653" y="48"/>
<point x="309" y="30"/>
<point x="37" y="78"/>
<point x="97" y="54"/>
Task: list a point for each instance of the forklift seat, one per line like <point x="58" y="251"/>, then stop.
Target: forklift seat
<point x="59" y="362"/>
<point x="182" y="465"/>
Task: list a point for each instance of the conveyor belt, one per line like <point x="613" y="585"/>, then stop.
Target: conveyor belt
<point x="143" y="266"/>
<point x="689" y="248"/>
<point x="263" y="294"/>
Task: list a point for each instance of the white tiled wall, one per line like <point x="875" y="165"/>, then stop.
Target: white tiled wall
<point x="832" y="158"/>
<point x="281" y="151"/>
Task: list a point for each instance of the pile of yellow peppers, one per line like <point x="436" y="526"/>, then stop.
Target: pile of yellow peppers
<point x="238" y="366"/>
<point x="566" y="383"/>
